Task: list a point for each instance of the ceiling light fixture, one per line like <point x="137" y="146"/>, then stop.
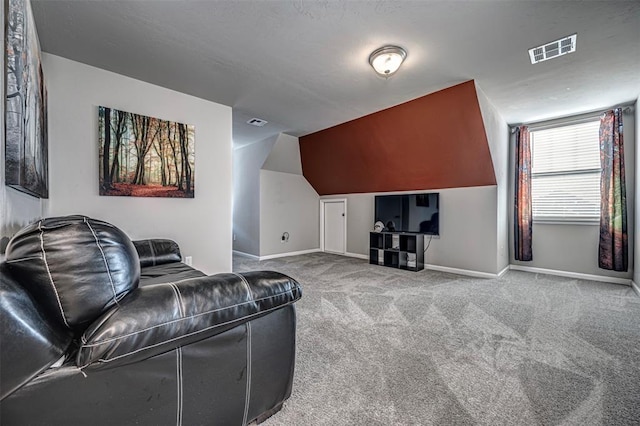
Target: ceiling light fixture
<point x="258" y="122"/>
<point x="386" y="60"/>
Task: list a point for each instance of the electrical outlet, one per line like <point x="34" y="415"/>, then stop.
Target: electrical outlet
<point x="188" y="260"/>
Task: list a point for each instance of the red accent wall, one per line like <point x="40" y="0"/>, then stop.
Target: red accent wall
<point x="436" y="141"/>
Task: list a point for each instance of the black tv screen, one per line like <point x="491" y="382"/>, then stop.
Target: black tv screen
<point x="417" y="213"/>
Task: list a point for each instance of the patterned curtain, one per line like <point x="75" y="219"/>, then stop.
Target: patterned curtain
<point x="523" y="213"/>
<point x="613" y="206"/>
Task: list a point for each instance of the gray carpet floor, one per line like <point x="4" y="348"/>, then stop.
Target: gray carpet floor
<point x="380" y="346"/>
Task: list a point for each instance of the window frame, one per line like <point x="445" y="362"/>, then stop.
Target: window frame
<point x="562" y="220"/>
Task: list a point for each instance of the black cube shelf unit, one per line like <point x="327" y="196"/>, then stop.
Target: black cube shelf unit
<point x="397" y="250"/>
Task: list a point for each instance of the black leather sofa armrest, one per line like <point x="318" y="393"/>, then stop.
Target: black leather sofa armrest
<point x="158" y="318"/>
<point x="157" y="252"/>
<point x="29" y="341"/>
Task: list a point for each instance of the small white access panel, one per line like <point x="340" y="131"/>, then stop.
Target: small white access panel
<point x="334" y="226"/>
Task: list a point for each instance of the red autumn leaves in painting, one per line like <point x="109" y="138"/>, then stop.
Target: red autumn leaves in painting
<point x="142" y="156"/>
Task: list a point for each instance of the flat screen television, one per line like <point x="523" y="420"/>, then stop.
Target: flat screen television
<point x="416" y="213"/>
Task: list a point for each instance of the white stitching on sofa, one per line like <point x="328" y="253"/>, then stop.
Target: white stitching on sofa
<point x="105" y="361"/>
<point x="179" y="380"/>
<point x="153" y="253"/>
<point x="247" y="394"/>
<point x="182" y="280"/>
<point x="115" y="294"/>
<point x="181" y="304"/>
<point x="23" y="259"/>
<point x="100" y="342"/>
<point x="46" y="264"/>
<point x="246" y="284"/>
<point x="176" y="292"/>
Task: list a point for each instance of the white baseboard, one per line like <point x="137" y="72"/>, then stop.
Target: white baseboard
<point x="275" y="256"/>
<point x="445" y="268"/>
<point x="464" y="271"/>
<point x="357" y="255"/>
<point x="579" y="275"/>
<point x="504" y="271"/>
<point x="243" y="254"/>
<point x="635" y="287"/>
<point x="292" y="253"/>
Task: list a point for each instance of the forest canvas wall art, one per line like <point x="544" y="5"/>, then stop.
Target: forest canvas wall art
<point x="26" y="153"/>
<point x="143" y="156"/>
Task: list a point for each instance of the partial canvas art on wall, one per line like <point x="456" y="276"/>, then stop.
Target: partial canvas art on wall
<point x="143" y="156"/>
<point x="26" y="162"/>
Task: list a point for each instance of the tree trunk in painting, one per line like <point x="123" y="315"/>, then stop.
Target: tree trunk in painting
<point x="106" y="176"/>
<point x="137" y="134"/>
<point x="172" y="144"/>
<point x="159" y="147"/>
<point x="120" y="128"/>
<point x="143" y="143"/>
<point x="185" y="156"/>
<point x="181" y="176"/>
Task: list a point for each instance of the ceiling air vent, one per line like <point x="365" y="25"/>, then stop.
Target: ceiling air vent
<point x="257" y="122"/>
<point x="553" y="49"/>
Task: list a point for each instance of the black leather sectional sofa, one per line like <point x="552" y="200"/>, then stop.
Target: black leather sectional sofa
<point x="100" y="330"/>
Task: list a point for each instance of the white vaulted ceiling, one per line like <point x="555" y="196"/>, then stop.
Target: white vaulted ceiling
<point x="303" y="65"/>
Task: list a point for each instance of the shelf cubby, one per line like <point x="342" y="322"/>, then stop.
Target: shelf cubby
<point x="376" y="240"/>
<point x="399" y="250"/>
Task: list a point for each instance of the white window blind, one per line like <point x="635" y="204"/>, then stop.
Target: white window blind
<point x="565" y="173"/>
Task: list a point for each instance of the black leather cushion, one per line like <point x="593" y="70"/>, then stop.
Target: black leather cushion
<point x="75" y="267"/>
<point x="167" y="273"/>
<point x="157" y="252"/>
<point x="157" y="318"/>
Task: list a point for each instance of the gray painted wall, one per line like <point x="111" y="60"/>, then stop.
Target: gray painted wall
<point x="288" y="203"/>
<point x="272" y="197"/>
<point x="202" y="225"/>
<point x="247" y="161"/>
<point x="468" y="227"/>
<point x="18" y="208"/>
<point x="574" y="247"/>
<point x="284" y="156"/>
<point x="360" y="220"/>
<point x="497" y="132"/>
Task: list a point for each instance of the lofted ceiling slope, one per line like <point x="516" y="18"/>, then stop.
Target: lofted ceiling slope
<point x="302" y="65"/>
<point x="433" y="142"/>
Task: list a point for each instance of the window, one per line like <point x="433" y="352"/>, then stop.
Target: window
<point x="565" y="172"/>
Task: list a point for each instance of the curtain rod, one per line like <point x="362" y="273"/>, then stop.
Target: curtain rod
<point x="628" y="107"/>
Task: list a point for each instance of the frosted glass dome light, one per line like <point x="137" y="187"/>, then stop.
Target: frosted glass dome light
<point x="387" y="59"/>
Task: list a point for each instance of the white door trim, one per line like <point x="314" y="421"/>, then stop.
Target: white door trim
<point x="322" y="203"/>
